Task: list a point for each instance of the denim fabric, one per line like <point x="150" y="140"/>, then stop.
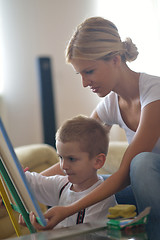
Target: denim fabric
<point x="145" y="182"/>
<point x="124" y="196"/>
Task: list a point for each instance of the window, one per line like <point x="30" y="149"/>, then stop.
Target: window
<point x="140" y="21"/>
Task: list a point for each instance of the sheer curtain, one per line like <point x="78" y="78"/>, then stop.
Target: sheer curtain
<point x="140" y="20"/>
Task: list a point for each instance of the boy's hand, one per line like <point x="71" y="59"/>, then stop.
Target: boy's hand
<point x="53" y="216"/>
<point x="21" y="220"/>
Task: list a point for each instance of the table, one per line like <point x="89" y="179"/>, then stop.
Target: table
<point x="87" y="231"/>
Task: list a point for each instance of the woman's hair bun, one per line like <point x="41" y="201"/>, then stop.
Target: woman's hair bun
<point x="131" y="51"/>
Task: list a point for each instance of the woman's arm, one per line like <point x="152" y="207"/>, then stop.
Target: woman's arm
<point x="95" y="116"/>
<point x="53" y="170"/>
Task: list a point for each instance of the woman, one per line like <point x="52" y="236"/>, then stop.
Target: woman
<point x="131" y="100"/>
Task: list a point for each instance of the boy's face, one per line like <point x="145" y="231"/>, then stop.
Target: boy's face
<point x="77" y="165"/>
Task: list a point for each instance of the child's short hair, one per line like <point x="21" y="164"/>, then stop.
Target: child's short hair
<point x="90" y="133"/>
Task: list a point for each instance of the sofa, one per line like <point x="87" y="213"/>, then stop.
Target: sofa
<point x="38" y="157"/>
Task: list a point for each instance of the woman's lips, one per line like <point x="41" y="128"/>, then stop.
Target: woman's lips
<point x="95" y="89"/>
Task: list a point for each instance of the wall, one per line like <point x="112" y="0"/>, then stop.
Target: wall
<point x="35" y="28"/>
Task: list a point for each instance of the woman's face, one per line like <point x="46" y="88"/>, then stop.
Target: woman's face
<point x="99" y="75"/>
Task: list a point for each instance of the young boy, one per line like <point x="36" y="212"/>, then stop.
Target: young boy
<point x="82" y="145"/>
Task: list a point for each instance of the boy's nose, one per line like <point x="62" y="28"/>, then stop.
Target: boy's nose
<point x="64" y="165"/>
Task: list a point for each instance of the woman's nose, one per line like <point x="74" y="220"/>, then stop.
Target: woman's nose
<point x="85" y="82"/>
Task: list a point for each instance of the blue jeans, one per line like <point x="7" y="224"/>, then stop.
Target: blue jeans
<point x="124" y="196"/>
<point x="145" y="183"/>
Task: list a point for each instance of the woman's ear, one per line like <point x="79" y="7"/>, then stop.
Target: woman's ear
<point x="99" y="161"/>
<point x="117" y="60"/>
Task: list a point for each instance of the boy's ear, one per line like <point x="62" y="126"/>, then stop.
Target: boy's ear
<point x="99" y="161"/>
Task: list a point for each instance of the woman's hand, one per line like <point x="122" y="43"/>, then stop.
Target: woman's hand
<point x="53" y="216"/>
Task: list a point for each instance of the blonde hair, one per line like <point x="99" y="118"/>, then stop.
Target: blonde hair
<point x="98" y="38"/>
<point x="91" y="134"/>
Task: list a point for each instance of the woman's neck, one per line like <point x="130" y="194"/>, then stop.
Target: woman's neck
<point x="128" y="84"/>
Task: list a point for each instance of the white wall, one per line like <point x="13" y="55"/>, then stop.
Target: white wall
<point x="32" y="28"/>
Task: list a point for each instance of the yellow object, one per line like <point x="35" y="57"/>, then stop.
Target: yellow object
<point x="9" y="209"/>
<point x="122" y="210"/>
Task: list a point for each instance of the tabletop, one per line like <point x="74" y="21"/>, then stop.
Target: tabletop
<point x="87" y="231"/>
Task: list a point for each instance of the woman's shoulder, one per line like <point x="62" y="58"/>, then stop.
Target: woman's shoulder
<point x="149" y="88"/>
<point x="149" y="80"/>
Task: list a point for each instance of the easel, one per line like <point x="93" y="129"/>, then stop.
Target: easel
<point x="18" y="206"/>
<point x="9" y="209"/>
<point x="14" y="188"/>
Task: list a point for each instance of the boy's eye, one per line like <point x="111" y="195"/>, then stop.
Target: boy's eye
<point x="72" y="159"/>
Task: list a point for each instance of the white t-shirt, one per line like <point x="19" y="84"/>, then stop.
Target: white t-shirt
<point x="109" y="112"/>
<point x="47" y="190"/>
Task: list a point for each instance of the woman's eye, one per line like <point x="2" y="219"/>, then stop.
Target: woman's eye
<point x="89" y="72"/>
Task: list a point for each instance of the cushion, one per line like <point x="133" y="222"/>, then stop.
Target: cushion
<point x="114" y="157"/>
